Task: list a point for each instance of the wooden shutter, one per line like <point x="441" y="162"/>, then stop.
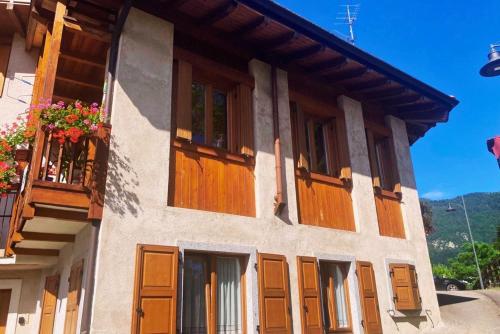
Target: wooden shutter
<point x="310" y="295"/>
<point x="155" y="294"/>
<point x="343" y="149"/>
<point x="394" y="167"/>
<point x="369" y="300"/>
<point x="183" y="97"/>
<point x="244" y="100"/>
<point x="49" y="304"/>
<point x="274" y="294"/>
<point x="417" y="300"/>
<point x="404" y="287"/>
<point x="73" y="298"/>
<point x="372" y="155"/>
<point x="302" y="156"/>
<point x="4" y="62"/>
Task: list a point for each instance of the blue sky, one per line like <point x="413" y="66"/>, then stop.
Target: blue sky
<point x="443" y="43"/>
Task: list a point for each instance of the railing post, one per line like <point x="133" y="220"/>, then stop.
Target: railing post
<point x="98" y="171"/>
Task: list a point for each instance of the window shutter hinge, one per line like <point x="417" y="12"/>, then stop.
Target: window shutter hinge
<point x="395" y="299"/>
<point x="391" y="272"/>
<point x="362" y="323"/>
<point x="356" y="272"/>
<point x="258" y="328"/>
<point x="256" y="266"/>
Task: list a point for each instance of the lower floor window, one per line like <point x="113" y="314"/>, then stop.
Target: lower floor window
<point x="335" y="296"/>
<point x="212" y="294"/>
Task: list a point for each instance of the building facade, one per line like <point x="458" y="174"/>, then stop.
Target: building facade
<point x="253" y="175"/>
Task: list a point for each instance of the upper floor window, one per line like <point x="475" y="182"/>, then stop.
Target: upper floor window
<point x="382" y="158"/>
<point x="320" y="142"/>
<point x="212" y="110"/>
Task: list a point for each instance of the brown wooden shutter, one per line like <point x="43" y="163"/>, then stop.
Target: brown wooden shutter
<point x="369" y="300"/>
<point x="5" y="295"/>
<point x="404" y="287"/>
<point x="73" y="299"/>
<point x="372" y="155"/>
<point x="394" y="167"/>
<point x="274" y="294"/>
<point x="244" y="100"/>
<point x="302" y="156"/>
<point x="310" y="295"/>
<point x="343" y="149"/>
<point x="417" y="300"/>
<point x="49" y="304"/>
<point x="183" y="97"/>
<point x="155" y="294"/>
<point x="4" y="62"/>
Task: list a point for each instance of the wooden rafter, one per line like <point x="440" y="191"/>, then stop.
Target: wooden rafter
<point x="218" y="13"/>
<point x="35" y="236"/>
<point x="249" y="28"/>
<point x="346" y="75"/>
<point x="327" y="66"/>
<point x="304" y="53"/>
<point x="35" y="251"/>
<point x="368" y="85"/>
<point x="278" y="42"/>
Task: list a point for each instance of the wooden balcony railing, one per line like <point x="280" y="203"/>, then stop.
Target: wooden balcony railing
<point x="60" y="178"/>
<point x="324" y="201"/>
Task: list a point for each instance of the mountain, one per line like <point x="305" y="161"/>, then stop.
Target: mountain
<point x="450" y="228"/>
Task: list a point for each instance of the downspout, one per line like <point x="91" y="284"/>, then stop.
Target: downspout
<point x="279" y="203"/>
<point x="96" y="224"/>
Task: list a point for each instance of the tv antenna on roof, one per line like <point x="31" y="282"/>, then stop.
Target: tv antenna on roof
<point x="348" y="17"/>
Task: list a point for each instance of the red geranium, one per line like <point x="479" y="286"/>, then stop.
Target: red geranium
<point x="74" y="134"/>
<point x="71" y="118"/>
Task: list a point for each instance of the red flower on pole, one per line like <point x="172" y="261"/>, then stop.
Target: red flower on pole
<point x="71" y="118"/>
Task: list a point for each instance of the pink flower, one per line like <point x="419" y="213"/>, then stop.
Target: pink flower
<point x="78" y="105"/>
<point x="94" y="105"/>
<point x="60" y="104"/>
<point x="86" y="121"/>
<point x="94" y="110"/>
<point x="94" y="127"/>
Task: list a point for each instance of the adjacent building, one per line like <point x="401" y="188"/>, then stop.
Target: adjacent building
<point x="253" y="175"/>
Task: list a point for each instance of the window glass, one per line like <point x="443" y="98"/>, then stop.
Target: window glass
<point x="198" y="113"/>
<point x="319" y="140"/>
<point x="194" y="289"/>
<point x="220" y="119"/>
<point x="197" y="310"/>
<point x="336" y="308"/>
<point x="228" y="295"/>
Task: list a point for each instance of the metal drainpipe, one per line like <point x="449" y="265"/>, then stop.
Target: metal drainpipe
<point x="95" y="227"/>
<point x="279" y="203"/>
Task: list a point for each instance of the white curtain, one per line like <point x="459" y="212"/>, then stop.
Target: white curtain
<point x="340" y="297"/>
<point x="228" y="296"/>
<point x="194" y="309"/>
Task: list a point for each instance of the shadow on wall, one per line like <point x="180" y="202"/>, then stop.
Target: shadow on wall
<point x="122" y="181"/>
<point x="413" y="320"/>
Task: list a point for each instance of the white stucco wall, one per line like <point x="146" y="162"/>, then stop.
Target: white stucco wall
<point x="18" y="87"/>
<point x="136" y="208"/>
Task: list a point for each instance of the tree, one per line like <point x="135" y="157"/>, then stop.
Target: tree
<point x="463" y="265"/>
<point x="427" y="217"/>
<point x="442" y="270"/>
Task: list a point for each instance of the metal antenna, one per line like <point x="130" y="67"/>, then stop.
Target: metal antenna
<point x="348" y="17"/>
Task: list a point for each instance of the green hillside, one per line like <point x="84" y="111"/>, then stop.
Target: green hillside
<point x="450" y="228"/>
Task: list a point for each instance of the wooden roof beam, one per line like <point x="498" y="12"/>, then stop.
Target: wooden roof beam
<point x="385" y="95"/>
<point x="35" y="236"/>
<point x="218" y="13"/>
<point x="327" y="66"/>
<point x="278" y="42"/>
<point x="368" y="85"/>
<point x="304" y="53"/>
<point x="399" y="101"/>
<point x="174" y="4"/>
<point x="249" y="28"/>
<point x="417" y="107"/>
<point x="34" y="251"/>
<point x="347" y="75"/>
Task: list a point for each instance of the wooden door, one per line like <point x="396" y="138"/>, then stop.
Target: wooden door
<point x="369" y="300"/>
<point x="73" y="299"/>
<point x="155" y="294"/>
<point x="274" y="294"/>
<point x="310" y="295"/>
<point x="49" y="304"/>
<point x="4" y="309"/>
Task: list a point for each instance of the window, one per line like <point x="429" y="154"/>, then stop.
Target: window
<point x="212" y="110"/>
<point x="324" y="300"/>
<point x="382" y="160"/>
<point x="404" y="281"/>
<point x="212" y="294"/>
<point x="320" y="143"/>
<point x="335" y="296"/>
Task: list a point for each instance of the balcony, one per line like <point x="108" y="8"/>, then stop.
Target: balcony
<point x="61" y="191"/>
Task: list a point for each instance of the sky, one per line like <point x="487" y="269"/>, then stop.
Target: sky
<point x="443" y="43"/>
